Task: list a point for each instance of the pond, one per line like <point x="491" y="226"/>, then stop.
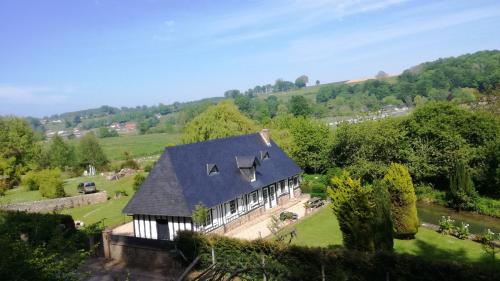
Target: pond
<point x="431" y="213"/>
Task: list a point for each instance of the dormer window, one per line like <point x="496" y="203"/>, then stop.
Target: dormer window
<point x="264" y="155"/>
<point x="248" y="166"/>
<point x="212" y="169"/>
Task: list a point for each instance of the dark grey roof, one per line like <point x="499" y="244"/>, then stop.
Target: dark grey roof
<point x="179" y="180"/>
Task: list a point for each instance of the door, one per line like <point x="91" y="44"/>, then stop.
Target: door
<point x="272" y="196"/>
<point x="265" y="196"/>
<point x="162" y="229"/>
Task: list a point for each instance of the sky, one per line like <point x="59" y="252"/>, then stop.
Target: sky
<point x="58" y="56"/>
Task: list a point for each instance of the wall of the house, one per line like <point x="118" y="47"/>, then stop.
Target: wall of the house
<point x="145" y="226"/>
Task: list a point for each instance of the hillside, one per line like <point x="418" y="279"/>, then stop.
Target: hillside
<point x="459" y="79"/>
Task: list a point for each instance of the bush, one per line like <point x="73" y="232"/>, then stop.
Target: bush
<point x="50" y="183"/>
<point x="148" y="167"/>
<point x="129" y="162"/>
<point x="30" y="181"/>
<point x="250" y="260"/>
<point x="462" y="194"/>
<point x="462" y="231"/>
<point x="40" y="247"/>
<point x="403" y="201"/>
<point x="138" y="180"/>
<point x="446" y="225"/>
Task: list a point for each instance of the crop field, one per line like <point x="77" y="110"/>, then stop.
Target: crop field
<point x="137" y="145"/>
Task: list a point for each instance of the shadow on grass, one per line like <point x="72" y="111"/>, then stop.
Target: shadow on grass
<point x="431" y="252"/>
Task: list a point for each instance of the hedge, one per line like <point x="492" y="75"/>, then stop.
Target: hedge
<point x="290" y="262"/>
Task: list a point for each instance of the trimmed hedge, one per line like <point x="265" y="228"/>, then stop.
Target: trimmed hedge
<point x="289" y="262"/>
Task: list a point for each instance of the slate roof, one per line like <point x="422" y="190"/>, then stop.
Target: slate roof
<point x="179" y="180"/>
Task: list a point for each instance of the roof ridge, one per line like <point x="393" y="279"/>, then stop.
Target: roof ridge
<point x="210" y="141"/>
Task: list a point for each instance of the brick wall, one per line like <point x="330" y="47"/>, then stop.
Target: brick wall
<point x="50" y="205"/>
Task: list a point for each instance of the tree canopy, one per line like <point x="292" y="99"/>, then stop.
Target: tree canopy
<point x="222" y="120"/>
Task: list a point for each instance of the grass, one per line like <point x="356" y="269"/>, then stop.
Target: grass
<point x="137" y="145"/>
<point x="322" y="229"/>
<point x="110" y="211"/>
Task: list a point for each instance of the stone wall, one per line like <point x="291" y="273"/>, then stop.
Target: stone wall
<point x="145" y="253"/>
<point x="50" y="205"/>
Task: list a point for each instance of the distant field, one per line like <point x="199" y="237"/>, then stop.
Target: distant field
<point x="137" y="145"/>
<point x="308" y="92"/>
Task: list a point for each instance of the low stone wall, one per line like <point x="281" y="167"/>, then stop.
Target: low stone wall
<point x="145" y="253"/>
<point x="50" y="205"/>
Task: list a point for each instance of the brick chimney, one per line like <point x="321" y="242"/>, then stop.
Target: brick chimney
<point x="264" y="133"/>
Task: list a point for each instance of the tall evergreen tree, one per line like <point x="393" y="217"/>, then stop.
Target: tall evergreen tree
<point x="403" y="201"/>
<point x="462" y="193"/>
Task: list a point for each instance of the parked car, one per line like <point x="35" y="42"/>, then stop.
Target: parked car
<point x="288" y="216"/>
<point x="315" y="202"/>
<point x="86" y="187"/>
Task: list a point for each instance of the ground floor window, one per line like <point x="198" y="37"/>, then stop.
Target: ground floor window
<point x="209" y="218"/>
<point x="282" y="186"/>
<point x="232" y="206"/>
<point x="295" y="181"/>
<point x="255" y="196"/>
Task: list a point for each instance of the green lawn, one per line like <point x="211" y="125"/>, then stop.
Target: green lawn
<point x="322" y="230"/>
<point x="137" y="145"/>
<point x="110" y="211"/>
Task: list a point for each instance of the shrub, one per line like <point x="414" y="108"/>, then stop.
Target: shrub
<point x="50" y="183"/>
<point x="446" y="225"/>
<point x="488" y="239"/>
<point x="462" y="231"/>
<point x="148" y="167"/>
<point x="30" y="181"/>
<point x="403" y="201"/>
<point x="250" y="260"/>
<point x="138" y="180"/>
<point x="462" y="195"/>
<point x="129" y="162"/>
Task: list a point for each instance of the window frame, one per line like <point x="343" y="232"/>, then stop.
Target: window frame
<point x="232" y="204"/>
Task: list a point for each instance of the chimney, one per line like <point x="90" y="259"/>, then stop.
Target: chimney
<point x="264" y="133"/>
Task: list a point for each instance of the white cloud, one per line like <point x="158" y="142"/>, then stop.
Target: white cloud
<point x="319" y="48"/>
<point x="35" y="95"/>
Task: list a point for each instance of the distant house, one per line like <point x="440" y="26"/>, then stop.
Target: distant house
<point x="115" y="126"/>
<point x="130" y="126"/>
<point x="237" y="178"/>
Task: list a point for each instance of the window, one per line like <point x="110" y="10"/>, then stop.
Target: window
<point x="295" y="181"/>
<point x="232" y="206"/>
<point x="209" y="218"/>
<point x="212" y="169"/>
<point x="253" y="177"/>
<point x="254" y="196"/>
<point x="282" y="186"/>
<point x="264" y="155"/>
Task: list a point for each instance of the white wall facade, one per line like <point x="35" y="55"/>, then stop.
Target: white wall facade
<point x="145" y="226"/>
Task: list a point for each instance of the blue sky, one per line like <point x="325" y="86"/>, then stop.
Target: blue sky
<point x="58" y="56"/>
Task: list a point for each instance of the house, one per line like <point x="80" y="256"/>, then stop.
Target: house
<point x="237" y="178"/>
<point x="130" y="126"/>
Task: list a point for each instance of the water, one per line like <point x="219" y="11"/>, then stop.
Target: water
<point x="432" y="213"/>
